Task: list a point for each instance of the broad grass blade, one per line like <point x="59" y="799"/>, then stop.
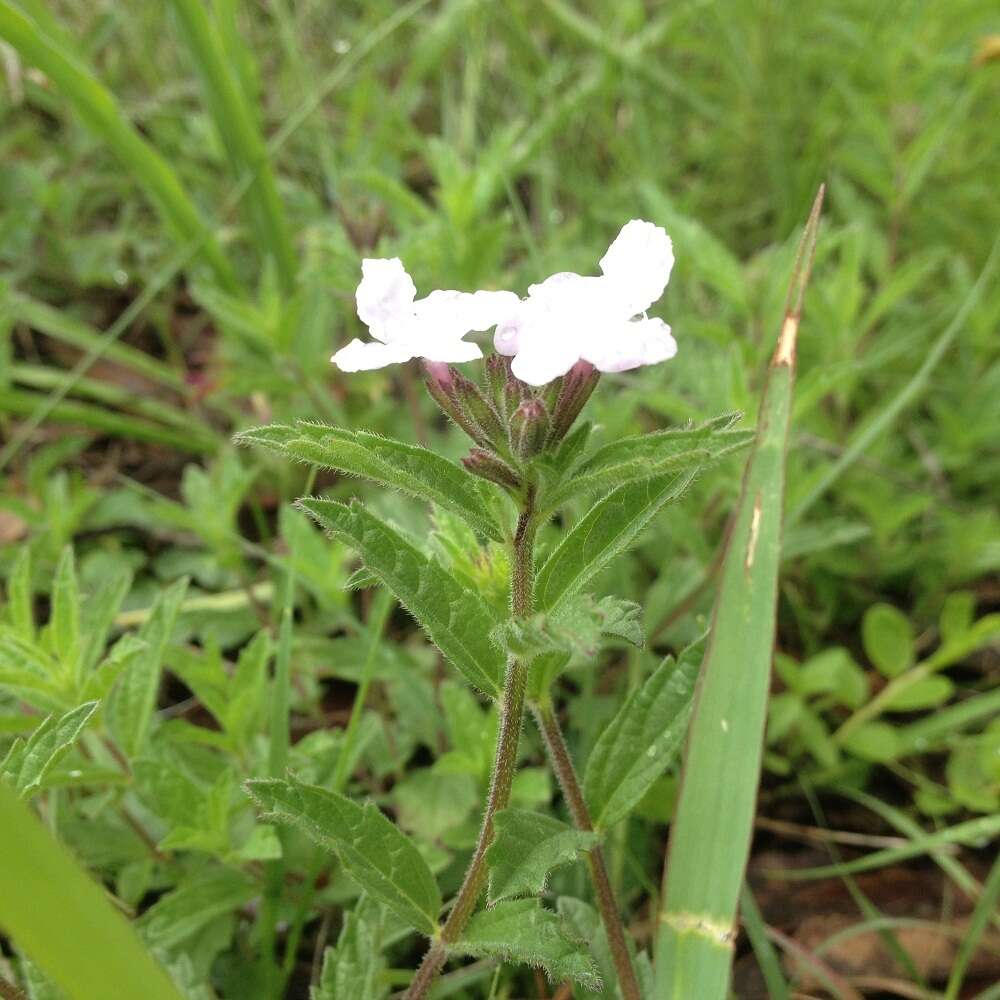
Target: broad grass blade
<point x="710" y="836"/>
<point x="58" y="916"/>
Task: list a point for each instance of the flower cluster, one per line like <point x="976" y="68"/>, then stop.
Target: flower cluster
<point x="566" y="319"/>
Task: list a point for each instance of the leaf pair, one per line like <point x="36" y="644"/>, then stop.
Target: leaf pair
<point x="390" y="868"/>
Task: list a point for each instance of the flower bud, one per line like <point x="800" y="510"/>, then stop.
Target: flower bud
<point x="461" y="400"/>
<point x="529" y="428"/>
<point x="497" y="376"/>
<point x="480" y="411"/>
<point x="515" y="392"/>
<point x="486" y="465"/>
<point x="577" y="385"/>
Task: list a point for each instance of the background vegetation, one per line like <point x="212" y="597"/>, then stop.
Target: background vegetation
<point x="186" y="191"/>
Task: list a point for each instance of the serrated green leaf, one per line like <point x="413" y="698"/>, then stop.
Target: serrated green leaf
<point x="527" y="846"/>
<point x="639" y="743"/>
<point x="409" y="468"/>
<point x="458" y="621"/>
<point x="888" y="639"/>
<point x="352" y="970"/>
<point x="123" y="655"/>
<point x="64" y="625"/>
<point x="522" y="931"/>
<point x="19" y="596"/>
<point x="29" y="672"/>
<point x="98" y="616"/>
<point x="575" y="629"/>
<point x="644" y="456"/>
<point x="375" y="852"/>
<point x="131" y="703"/>
<point x="183" y="912"/>
<point x="27" y="763"/>
<point x="607" y="530"/>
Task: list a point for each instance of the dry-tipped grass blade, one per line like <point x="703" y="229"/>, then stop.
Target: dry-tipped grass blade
<point x="710" y="837"/>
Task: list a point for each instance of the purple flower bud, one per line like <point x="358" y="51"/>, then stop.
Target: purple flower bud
<point x="486" y="465"/>
<point x="461" y="400"/>
<point x="529" y="428"/>
<point x="577" y="385"/>
<point x="440" y="384"/>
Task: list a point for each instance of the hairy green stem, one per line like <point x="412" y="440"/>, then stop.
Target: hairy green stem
<point x="504" y="762"/>
<point x="562" y="764"/>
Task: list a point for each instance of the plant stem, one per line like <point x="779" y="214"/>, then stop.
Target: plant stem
<point x="562" y="764"/>
<point x="504" y="762"/>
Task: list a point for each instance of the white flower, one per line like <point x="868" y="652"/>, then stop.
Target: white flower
<point x="601" y="320"/>
<point x="431" y="328"/>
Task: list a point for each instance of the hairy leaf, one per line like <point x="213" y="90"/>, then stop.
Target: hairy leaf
<point x="375" y="852"/>
<point x="29" y="672"/>
<point x="64" y="625"/>
<point x="522" y="931"/>
<point x="644" y="456"/>
<point x="353" y="968"/>
<point x="457" y="620"/>
<point x="641" y="740"/>
<point x="130" y="706"/>
<point x="183" y="912"/>
<point x="98" y="616"/>
<point x="409" y="468"/>
<point x="19" y="596"/>
<point x="607" y="530"/>
<point x="527" y="846"/>
<point x="577" y="628"/>
<point x="27" y="763"/>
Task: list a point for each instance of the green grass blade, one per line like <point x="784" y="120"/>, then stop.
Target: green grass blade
<point x="710" y="836"/>
<point x="763" y="949"/>
<point x="68" y="329"/>
<point x="60" y="918"/>
<point x="22" y="403"/>
<point x="972" y="833"/>
<point x="237" y="123"/>
<point x="96" y="105"/>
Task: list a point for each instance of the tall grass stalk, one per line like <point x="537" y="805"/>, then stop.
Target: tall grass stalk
<point x="710" y="836"/>
<point x="96" y="105"/>
<point x="236" y="121"/>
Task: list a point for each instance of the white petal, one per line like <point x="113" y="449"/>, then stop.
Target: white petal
<point x="639" y="342"/>
<point x="638" y="264"/>
<point x="543" y="357"/>
<point x="450" y="351"/>
<point x="452" y="314"/>
<point x="358" y="356"/>
<point x="385" y="295"/>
